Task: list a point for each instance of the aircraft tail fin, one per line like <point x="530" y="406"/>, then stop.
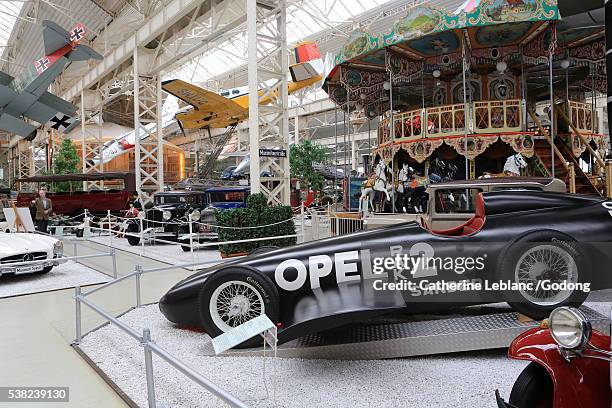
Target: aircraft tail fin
<point x="54" y="37"/>
<point x="83" y="53"/>
<point x="308" y="62"/>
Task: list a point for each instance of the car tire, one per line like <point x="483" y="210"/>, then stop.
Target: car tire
<point x="185" y="248"/>
<point x="533" y="254"/>
<point x="532" y="389"/>
<point x="80" y="232"/>
<point x="263" y="249"/>
<point x="46" y="269"/>
<point x="262" y="293"/>
<point x="132" y="240"/>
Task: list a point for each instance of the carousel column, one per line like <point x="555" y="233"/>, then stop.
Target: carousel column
<point x="335" y="149"/>
<point x="608" y="33"/>
<point x="392" y="132"/>
<point x="465" y="111"/>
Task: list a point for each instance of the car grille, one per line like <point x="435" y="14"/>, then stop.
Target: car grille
<point x="154" y="215"/>
<point x="35" y="256"/>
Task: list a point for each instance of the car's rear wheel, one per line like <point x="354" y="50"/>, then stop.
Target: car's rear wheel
<point x="234" y="296"/>
<point x="133" y="240"/>
<point x="533" y="388"/>
<point x="547" y="266"/>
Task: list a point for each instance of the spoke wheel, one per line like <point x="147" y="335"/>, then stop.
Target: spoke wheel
<point x="234" y="303"/>
<point x="546" y="262"/>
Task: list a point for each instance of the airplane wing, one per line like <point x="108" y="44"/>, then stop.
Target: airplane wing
<point x="208" y="105"/>
<point x="63" y="123"/>
<point x="7" y="94"/>
<point x="16" y="125"/>
<point x="59" y="104"/>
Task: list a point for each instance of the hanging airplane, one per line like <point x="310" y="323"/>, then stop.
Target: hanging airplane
<point x="229" y="107"/>
<point x="27" y="97"/>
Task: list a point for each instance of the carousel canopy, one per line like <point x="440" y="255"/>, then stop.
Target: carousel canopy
<point x="434" y="43"/>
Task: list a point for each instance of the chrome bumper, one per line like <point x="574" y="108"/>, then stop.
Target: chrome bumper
<point x="24" y="269"/>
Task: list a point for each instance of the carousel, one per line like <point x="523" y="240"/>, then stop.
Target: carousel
<point x="469" y="93"/>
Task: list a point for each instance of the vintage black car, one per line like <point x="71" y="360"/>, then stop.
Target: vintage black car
<point x="534" y="250"/>
<point x="168" y="219"/>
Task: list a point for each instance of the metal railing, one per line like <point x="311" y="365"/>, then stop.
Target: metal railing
<point x="144" y="339"/>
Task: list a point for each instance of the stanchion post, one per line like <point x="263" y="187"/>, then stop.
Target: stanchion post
<point x="191" y="241"/>
<point x="608" y="176"/>
<point x="114" y="260"/>
<point x="77" y="314"/>
<point x="146" y="339"/>
<point x="141" y="236"/>
<point x="76" y="260"/>
<point x="303" y="221"/>
<point x="109" y="227"/>
<point x="138" y="270"/>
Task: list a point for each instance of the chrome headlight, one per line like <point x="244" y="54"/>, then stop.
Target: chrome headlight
<point x="166" y="215"/>
<point x="569" y="327"/>
<point x="58" y="249"/>
<point x="195" y="215"/>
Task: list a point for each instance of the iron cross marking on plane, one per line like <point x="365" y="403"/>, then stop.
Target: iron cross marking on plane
<point x="25" y="103"/>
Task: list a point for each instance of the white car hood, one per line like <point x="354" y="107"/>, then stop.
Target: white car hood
<point x="13" y="243"/>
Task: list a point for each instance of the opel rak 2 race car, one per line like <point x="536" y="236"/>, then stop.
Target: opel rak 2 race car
<point x="531" y="249"/>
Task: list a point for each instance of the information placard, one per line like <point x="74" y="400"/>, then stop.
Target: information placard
<point x="242" y="333"/>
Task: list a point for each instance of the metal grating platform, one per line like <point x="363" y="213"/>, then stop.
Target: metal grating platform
<point x="439" y="335"/>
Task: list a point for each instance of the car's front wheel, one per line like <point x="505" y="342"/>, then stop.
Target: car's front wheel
<point x="234" y="296"/>
<point x="548" y="268"/>
<point x="533" y="388"/>
<point x="131" y="239"/>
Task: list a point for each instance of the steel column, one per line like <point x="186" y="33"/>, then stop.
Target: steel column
<point x="268" y="60"/>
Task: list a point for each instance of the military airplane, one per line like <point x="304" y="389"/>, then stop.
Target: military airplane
<point x="229" y="107"/>
<point x="26" y="96"/>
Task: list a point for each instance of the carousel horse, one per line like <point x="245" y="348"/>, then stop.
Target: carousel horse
<point x="403" y="189"/>
<point x="512" y="167"/>
<point x="376" y="182"/>
<point x="415" y="186"/>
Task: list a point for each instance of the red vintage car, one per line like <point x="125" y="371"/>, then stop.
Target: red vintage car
<point x="73" y="203"/>
<point x="570" y="365"/>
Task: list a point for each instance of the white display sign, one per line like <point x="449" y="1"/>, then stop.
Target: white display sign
<point x="242" y="333"/>
<point x="24" y="214"/>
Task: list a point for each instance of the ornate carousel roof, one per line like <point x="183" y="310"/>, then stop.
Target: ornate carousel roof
<point x="521" y="33"/>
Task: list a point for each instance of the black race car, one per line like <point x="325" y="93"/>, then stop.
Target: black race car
<point x="534" y="250"/>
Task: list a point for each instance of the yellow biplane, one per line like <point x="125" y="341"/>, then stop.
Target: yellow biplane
<point x="229" y="107"/>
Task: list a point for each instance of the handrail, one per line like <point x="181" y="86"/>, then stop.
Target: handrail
<point x="548" y="139"/>
<point x="584" y="141"/>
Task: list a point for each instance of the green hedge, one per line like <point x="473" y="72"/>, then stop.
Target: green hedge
<point x="256" y="213"/>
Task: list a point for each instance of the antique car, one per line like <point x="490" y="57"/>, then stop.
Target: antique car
<point x="73" y="203"/>
<point x="569" y="364"/>
<point x="169" y="217"/>
<point x="219" y="199"/>
<point x="18" y="247"/>
<point x="515" y="240"/>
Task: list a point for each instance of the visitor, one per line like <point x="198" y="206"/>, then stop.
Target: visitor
<point x="44" y="207"/>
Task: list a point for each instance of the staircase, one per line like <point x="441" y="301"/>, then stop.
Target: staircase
<point x="221" y="142"/>
<point x="543" y="154"/>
